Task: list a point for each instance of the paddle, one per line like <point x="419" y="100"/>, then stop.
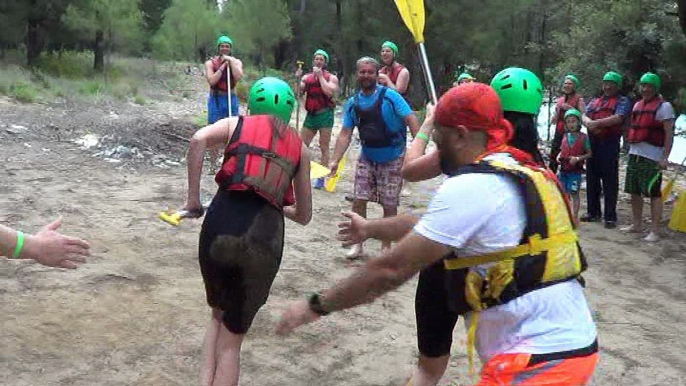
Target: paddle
<point x="412" y="13"/>
<point x="667" y="190"/>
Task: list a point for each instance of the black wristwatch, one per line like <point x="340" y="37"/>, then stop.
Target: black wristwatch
<point x="316" y="304"/>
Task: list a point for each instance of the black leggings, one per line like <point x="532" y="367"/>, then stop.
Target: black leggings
<point x="435" y="319"/>
<point x="241" y="244"/>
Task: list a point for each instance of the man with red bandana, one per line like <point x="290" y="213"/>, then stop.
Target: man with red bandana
<point x="529" y="326"/>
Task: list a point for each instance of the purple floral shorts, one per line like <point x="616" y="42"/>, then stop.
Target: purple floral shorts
<point x="378" y="182"/>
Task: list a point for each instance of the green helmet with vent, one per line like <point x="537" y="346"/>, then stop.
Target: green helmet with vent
<point x="612" y="76"/>
<point x="574" y="79"/>
<point x="519" y="90"/>
<point x="652" y="79"/>
<point x="573" y="113"/>
<point x="390" y="45"/>
<point x="224" y="40"/>
<point x="271" y="96"/>
<point x="322" y="53"/>
<point x="464" y="76"/>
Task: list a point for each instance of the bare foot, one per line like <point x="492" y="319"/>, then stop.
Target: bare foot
<point x="631" y="229"/>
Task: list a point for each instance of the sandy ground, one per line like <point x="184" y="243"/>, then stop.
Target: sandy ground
<point x="135" y="313"/>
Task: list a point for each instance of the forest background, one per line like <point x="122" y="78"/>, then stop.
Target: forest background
<point x="88" y="40"/>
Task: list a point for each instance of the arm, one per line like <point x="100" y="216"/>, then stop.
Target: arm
<point x="329" y="87"/>
<point x="301" y="212"/>
<point x="342" y="143"/>
<point x="47" y="247"/>
<point x="668" y="126"/>
<point x="401" y="83"/>
<point x="413" y="123"/>
<point x="374" y="279"/>
<point x="582" y="105"/>
<point x="423" y="168"/>
<point x="358" y="229"/>
<point x="209" y="136"/>
<point x="302" y="85"/>
<point x="213" y="76"/>
<point x="236" y="68"/>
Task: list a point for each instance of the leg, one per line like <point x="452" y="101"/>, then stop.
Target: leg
<point x="637" y="214"/>
<point x="435" y="323"/>
<point x="209" y="363"/>
<point x="362" y="193"/>
<point x="307" y="135"/>
<point x="610" y="180"/>
<point x="357" y="250"/>
<point x="593" y="185"/>
<point x="389" y="185"/>
<point x="555" y="150"/>
<point x="576" y="203"/>
<point x="324" y="143"/>
<point x="227" y="357"/>
<point x="388" y="211"/>
<point x="655" y="217"/>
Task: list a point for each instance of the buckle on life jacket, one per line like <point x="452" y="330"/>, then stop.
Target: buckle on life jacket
<point x="534" y="246"/>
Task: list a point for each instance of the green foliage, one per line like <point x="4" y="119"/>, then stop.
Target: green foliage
<point x="190" y="28"/>
<point x="258" y="26"/>
<point x="69" y="64"/>
<point x="139" y="100"/>
<point x="24" y="92"/>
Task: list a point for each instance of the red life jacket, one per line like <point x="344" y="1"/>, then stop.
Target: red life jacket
<point x="644" y="126"/>
<point x="221" y="85"/>
<point x="316" y="99"/>
<point x="262" y="158"/>
<point x="600" y="108"/>
<point x="572" y="101"/>
<point x="567" y="152"/>
<point x="393" y="72"/>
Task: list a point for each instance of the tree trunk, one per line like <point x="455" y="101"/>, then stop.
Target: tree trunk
<point x="681" y="4"/>
<point x="99" y="51"/>
<point x="33" y="46"/>
<point x="342" y="52"/>
<point x="303" y="6"/>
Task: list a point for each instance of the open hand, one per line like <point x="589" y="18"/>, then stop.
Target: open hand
<point x="53" y="249"/>
<point x="352" y="231"/>
<point x="296" y="314"/>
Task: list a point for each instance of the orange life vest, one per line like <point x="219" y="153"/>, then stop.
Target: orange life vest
<point x="644" y="126"/>
<point x="316" y="98"/>
<point x="262" y="157"/>
<point x="567" y="152"/>
<point x="221" y="85"/>
<point x="600" y="108"/>
<point x="572" y="101"/>
<point x="393" y="72"/>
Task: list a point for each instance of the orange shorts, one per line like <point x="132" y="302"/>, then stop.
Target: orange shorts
<point x="514" y="370"/>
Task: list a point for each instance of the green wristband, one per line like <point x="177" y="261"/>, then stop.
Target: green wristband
<point x="422" y="136"/>
<point x="20" y="245"/>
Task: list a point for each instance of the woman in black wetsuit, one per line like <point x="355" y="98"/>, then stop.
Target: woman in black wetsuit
<point x="264" y="178"/>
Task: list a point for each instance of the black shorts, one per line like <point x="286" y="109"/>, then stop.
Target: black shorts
<point x="435" y="318"/>
<point x="241" y="244"/>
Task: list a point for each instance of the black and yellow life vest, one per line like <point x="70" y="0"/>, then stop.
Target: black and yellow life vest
<point x="548" y="253"/>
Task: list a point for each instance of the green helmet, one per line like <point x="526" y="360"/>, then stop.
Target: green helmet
<point x="225" y="40"/>
<point x="323" y="53"/>
<point x="573" y="112"/>
<point x="390" y="45"/>
<point x="653" y="79"/>
<point x="271" y="96"/>
<point x="464" y="76"/>
<point x="519" y="90"/>
<point x="573" y="78"/>
<point x="612" y="76"/>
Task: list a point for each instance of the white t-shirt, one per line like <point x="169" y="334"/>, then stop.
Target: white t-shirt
<point x="646" y="150"/>
<point x="481" y="213"/>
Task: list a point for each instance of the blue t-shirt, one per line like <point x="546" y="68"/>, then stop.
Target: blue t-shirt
<point x="393" y="114"/>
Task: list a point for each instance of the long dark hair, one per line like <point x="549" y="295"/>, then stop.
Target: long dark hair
<point x="525" y="134"/>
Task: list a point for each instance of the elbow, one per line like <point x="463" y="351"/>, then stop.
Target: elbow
<point x="303" y="217"/>
<point x="197" y="143"/>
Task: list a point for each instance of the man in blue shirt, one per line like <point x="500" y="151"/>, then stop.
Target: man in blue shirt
<point x="381" y="116"/>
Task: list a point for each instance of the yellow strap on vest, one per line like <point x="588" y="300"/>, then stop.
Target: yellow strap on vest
<point x="535" y="246"/>
<point x="471" y="341"/>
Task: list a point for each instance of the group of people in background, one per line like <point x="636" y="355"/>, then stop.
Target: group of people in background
<point x="497" y="246"/>
<point x="648" y="127"/>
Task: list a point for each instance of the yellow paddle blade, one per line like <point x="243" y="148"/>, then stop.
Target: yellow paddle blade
<point x="678" y="220"/>
<point x="330" y="184"/>
<point x="170" y="218"/>
<point x="412" y="12"/>
<point x="667" y="190"/>
<point x="318" y="170"/>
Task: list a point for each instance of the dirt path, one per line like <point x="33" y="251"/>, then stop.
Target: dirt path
<point x="135" y="314"/>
